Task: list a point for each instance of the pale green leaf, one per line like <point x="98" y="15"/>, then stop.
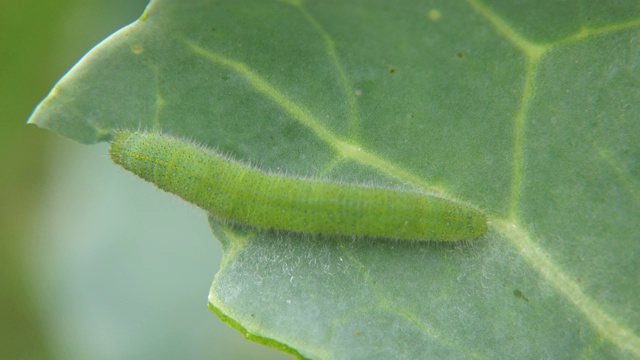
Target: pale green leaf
<point x="527" y="110"/>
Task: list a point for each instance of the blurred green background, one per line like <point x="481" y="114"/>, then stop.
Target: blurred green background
<point x="92" y="269"/>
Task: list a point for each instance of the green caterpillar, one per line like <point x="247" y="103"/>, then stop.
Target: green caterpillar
<point x="239" y="193"/>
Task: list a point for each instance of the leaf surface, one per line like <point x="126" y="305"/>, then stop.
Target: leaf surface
<point x="528" y="112"/>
